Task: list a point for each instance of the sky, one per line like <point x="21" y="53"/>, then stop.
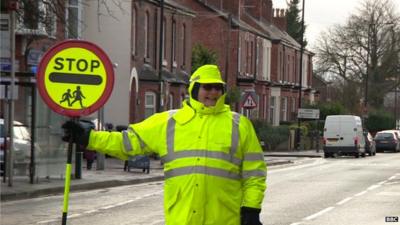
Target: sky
<point x="319" y="15"/>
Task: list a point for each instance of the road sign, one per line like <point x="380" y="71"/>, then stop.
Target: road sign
<point x="249" y="102"/>
<point x="75" y="78"/>
<point x="308" y="113"/>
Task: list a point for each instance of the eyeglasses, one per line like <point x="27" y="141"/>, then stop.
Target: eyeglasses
<point x="208" y="87"/>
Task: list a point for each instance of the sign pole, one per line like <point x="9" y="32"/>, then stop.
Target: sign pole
<point x="75" y="78"/>
<point x="67" y="182"/>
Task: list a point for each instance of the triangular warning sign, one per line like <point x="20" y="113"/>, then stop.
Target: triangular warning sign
<point x="249" y="102"/>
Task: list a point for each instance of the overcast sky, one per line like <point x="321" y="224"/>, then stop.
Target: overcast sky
<point x="319" y="15"/>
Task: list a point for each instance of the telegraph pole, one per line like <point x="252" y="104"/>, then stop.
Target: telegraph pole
<point x="160" y="57"/>
<point x="298" y="133"/>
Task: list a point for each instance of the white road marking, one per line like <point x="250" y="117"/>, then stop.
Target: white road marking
<point x="157" y="222"/>
<point x="344" y="201"/>
<point x="382" y="182"/>
<point x="103" y="208"/>
<point x="361" y="193"/>
<point x="373" y="187"/>
<point x="317" y="162"/>
<point x="319" y="213"/>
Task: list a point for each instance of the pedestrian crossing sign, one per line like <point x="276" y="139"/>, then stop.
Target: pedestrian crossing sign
<point x="75" y="78"/>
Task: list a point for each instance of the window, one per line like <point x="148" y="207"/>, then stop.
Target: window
<point x="293" y="109"/>
<point x="73" y="19"/>
<point x="265" y="107"/>
<point x="272" y="109"/>
<point x="173" y="57"/>
<point x="266" y="73"/>
<point x="170" y="101"/>
<point x="164" y="40"/>
<point x="37" y="17"/>
<point x="184" y="44"/>
<point x="146" y="35"/>
<point x="134" y="26"/>
<point x="31" y="14"/>
<point x="284" y="109"/>
<point x="149" y="104"/>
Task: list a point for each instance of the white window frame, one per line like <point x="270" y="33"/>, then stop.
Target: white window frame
<point x="284" y="108"/>
<point x="305" y="71"/>
<point x="272" y="105"/>
<point x="266" y="72"/>
<point x="170" y="101"/>
<point x="78" y="24"/>
<point x="149" y="106"/>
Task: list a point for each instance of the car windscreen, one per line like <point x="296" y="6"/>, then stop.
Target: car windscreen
<point x="384" y="136"/>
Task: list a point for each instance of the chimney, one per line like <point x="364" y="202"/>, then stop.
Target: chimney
<point x="266" y="10"/>
<point x="279" y="19"/>
<point x="253" y="7"/>
<point x="232" y="7"/>
<point x="214" y="3"/>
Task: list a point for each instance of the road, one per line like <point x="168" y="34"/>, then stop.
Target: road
<point x="341" y="191"/>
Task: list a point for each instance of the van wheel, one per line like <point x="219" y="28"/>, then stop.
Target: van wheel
<point x="357" y="155"/>
<point x="327" y="155"/>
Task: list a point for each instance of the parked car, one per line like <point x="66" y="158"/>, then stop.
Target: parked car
<point x="370" y="147"/>
<point x="343" y="135"/>
<point x="22" y="144"/>
<point x="387" y="140"/>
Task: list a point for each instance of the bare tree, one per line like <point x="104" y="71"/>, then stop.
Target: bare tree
<point x="50" y="20"/>
<point x="366" y="47"/>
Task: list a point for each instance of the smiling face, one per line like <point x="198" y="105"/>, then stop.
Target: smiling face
<point x="210" y="93"/>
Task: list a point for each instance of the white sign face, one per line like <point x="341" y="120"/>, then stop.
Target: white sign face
<point x="308" y="114"/>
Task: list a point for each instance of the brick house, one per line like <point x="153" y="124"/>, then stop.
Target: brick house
<point x="255" y="54"/>
<point x="176" y="58"/>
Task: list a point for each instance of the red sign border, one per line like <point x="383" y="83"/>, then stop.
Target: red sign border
<point x="244" y="102"/>
<point x="75" y="44"/>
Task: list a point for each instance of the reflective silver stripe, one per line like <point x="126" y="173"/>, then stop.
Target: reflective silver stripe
<point x="253" y="157"/>
<point x="126" y="141"/>
<point x="201" y="153"/>
<point x="142" y="144"/>
<point x="171" y="132"/>
<point x="202" y="170"/>
<point x="253" y="173"/>
<point x="235" y="133"/>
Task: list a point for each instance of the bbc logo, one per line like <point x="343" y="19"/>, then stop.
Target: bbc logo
<point x="394" y="219"/>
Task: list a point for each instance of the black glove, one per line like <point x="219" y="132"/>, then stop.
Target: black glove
<point x="79" y="131"/>
<point x="250" y="216"/>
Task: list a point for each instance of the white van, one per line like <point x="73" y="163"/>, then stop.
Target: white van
<point x="343" y="135"/>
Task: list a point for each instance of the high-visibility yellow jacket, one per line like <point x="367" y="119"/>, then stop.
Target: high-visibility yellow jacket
<point x="213" y="162"/>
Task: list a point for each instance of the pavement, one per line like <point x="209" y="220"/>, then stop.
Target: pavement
<point x="114" y="175"/>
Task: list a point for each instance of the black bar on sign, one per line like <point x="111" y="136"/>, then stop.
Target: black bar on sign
<point x="72" y="78"/>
